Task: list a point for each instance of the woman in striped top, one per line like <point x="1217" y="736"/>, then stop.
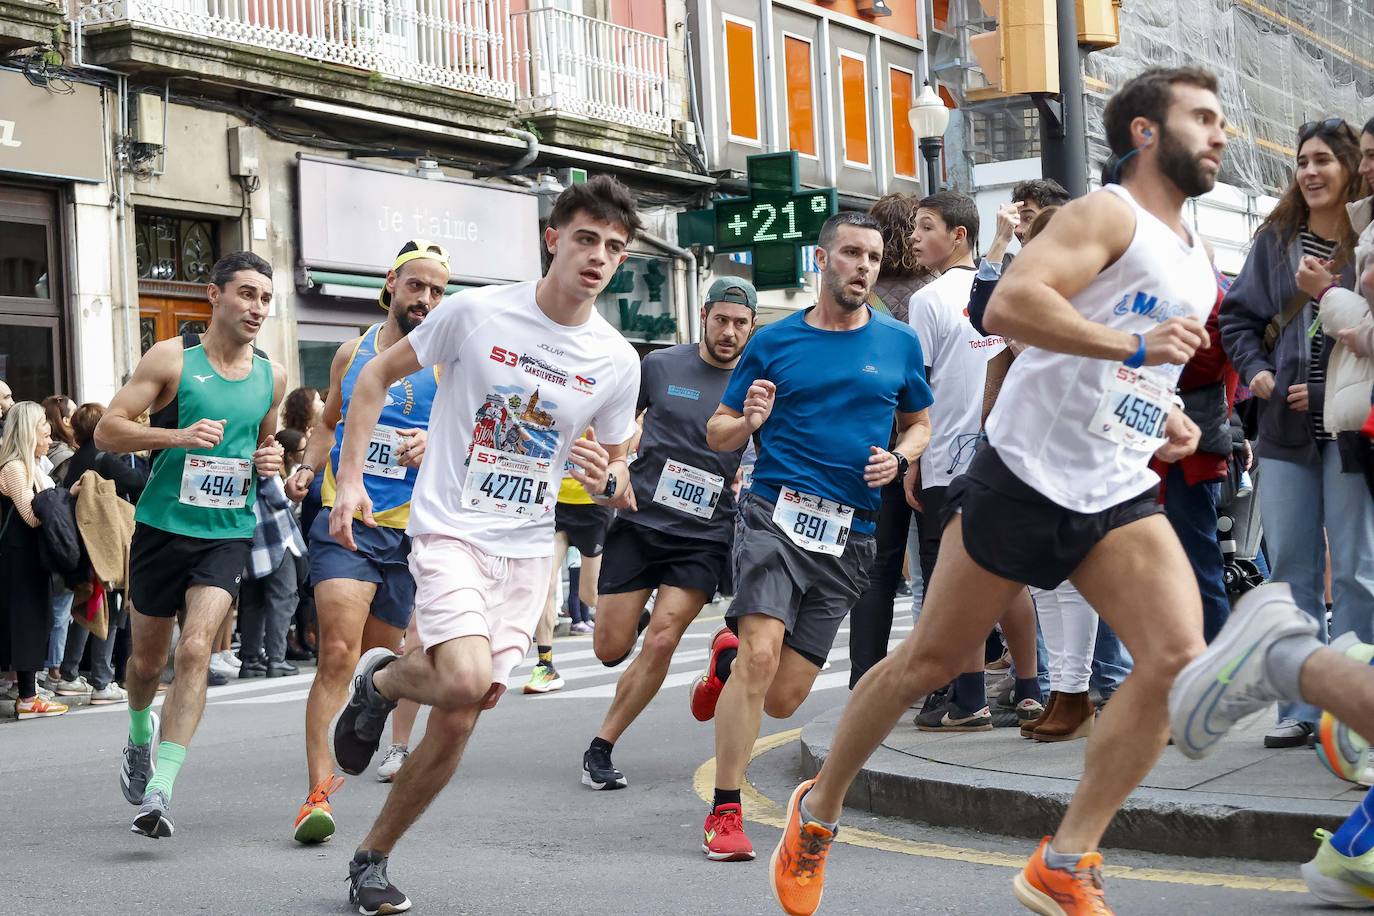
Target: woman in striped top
<point x="1306" y="496"/>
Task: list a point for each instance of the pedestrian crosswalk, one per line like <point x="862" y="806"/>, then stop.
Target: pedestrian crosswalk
<point x="584" y="676"/>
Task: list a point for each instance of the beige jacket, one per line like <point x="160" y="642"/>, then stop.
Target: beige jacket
<point x="1350" y="373"/>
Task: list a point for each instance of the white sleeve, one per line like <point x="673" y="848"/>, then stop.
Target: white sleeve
<point x="440" y="337"/>
<point x="615" y="421"/>
<point x="924" y="318"/>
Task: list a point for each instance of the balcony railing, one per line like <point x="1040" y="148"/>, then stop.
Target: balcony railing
<point x="578" y="65"/>
<point x="457" y="44"/>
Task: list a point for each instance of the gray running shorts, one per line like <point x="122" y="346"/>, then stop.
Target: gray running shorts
<point x="809" y="592"/>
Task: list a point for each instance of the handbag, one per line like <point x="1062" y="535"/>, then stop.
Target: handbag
<point x="1274" y="329"/>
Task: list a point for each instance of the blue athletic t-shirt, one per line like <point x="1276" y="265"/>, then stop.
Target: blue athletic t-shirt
<point x="836" y="393"/>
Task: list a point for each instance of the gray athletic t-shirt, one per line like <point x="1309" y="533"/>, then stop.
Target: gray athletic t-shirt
<point x="681" y="391"/>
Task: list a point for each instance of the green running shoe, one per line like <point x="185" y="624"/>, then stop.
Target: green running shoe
<point x="1340" y="880"/>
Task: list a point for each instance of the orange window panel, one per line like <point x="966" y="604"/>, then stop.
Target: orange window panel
<point x="801" y="105"/>
<point x="903" y="137"/>
<point x="854" y="92"/>
<point x="741" y="85"/>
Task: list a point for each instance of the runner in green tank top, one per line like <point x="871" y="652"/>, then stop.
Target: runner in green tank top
<point x="214" y="402"/>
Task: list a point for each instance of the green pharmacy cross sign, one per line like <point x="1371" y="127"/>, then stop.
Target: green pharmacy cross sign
<point x="775" y="221"/>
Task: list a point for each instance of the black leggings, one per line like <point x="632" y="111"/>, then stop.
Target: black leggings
<point x="28" y="684"/>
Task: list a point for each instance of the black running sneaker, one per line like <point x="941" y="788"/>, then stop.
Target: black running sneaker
<point x="358" y="731"/>
<point x="598" y="771"/>
<point x="369" y="888"/>
<point x="154" y="818"/>
<point x="643" y="624"/>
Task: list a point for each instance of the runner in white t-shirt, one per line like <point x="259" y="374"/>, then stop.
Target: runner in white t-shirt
<point x="1110" y="299"/>
<point x="524" y="370"/>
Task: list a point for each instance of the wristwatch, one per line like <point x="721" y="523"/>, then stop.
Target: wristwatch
<point x="609" y="492"/>
<point x="902" y="465"/>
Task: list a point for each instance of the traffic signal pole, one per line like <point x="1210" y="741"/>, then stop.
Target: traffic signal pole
<point x="1063" y="128"/>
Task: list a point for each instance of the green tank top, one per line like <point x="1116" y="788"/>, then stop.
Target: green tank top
<point x="209" y="493"/>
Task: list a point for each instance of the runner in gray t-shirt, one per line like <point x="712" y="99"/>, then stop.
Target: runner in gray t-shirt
<point x="678" y="538"/>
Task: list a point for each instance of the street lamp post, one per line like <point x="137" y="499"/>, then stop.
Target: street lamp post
<point x="929" y="118"/>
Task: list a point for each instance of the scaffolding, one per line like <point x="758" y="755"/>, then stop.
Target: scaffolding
<point x="1280" y="63"/>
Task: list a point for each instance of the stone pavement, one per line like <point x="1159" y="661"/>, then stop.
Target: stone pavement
<point x="1243" y="801"/>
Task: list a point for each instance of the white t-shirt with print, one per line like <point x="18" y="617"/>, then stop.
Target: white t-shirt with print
<point x="958" y="359"/>
<point x="513" y="381"/>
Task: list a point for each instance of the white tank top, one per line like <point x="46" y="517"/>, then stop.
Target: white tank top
<point x="1081" y="431"/>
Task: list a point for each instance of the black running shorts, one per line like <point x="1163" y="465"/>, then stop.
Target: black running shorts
<point x="1013" y="531"/>
<point x="585" y="525"/>
<point x="638" y="557"/>
<point x="809" y="592"/>
<point x="162" y="566"/>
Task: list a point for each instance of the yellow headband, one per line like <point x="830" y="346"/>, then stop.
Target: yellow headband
<point x="423" y="250"/>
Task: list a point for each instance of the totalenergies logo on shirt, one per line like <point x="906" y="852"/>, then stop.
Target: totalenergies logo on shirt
<point x="1152" y="307"/>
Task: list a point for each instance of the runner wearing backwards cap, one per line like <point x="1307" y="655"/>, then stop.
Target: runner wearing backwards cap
<point x="365" y="597"/>
<point x="678" y="537"/>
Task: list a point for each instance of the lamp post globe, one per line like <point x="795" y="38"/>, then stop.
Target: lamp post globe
<point x="929" y="119"/>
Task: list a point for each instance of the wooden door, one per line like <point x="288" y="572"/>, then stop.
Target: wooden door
<point x="161" y="317"/>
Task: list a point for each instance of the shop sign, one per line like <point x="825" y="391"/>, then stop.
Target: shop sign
<point x="55" y="135"/>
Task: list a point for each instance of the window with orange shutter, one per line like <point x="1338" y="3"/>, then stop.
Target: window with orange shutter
<point x="854" y="111"/>
<point x="903" y="89"/>
<point x="741" y="80"/>
<point x="801" y="95"/>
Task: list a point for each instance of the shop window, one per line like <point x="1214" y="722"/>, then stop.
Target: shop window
<point x="854" y="108"/>
<point x="801" y="95"/>
<point x="741" y="80"/>
<point x="316" y="345"/>
<point x="28" y="356"/>
<point x="903" y="89"/>
<point x="24" y="260"/>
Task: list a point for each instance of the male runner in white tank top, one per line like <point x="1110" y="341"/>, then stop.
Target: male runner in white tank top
<point x="1111" y="300"/>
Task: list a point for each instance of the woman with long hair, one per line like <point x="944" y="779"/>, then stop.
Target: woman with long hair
<point x="301" y="409"/>
<point x="25" y="600"/>
<point x="58" y="408"/>
<point x="1271" y="327"/>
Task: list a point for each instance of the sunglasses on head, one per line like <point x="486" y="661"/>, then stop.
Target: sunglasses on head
<point x="1312" y="128"/>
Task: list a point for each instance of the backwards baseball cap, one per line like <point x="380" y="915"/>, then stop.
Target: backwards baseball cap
<point x="414" y="250"/>
<point x="734" y="289"/>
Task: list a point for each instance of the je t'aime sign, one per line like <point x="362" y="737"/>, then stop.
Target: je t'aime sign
<point x="356" y="218"/>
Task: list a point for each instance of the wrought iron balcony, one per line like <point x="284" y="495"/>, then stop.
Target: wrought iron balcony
<point x="567" y="63"/>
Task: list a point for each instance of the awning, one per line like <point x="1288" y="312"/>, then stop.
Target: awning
<point x="355" y="286"/>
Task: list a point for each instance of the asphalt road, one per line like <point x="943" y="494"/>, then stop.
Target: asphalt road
<point x="515" y="833"/>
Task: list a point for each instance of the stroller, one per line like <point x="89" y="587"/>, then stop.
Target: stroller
<point x="1240" y="531"/>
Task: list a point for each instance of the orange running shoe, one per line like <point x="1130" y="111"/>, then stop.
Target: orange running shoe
<point x="315" y="820"/>
<point x="723" y="838"/>
<point x="706" y="689"/>
<point x="797" y="869"/>
<point x="38" y="707"/>
<point x="1062" y="891"/>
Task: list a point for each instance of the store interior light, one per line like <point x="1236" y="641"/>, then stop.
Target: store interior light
<point x="874" y="9"/>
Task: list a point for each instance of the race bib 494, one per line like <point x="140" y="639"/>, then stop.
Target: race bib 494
<point x="216" y="483"/>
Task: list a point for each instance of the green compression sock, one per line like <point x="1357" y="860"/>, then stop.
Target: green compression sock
<point x="169" y="760"/>
<point x="140" y="725"/>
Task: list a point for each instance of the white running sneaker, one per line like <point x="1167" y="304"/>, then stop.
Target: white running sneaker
<point x="391" y="763"/>
<point x="230" y="659"/>
<point x="220" y="666"/>
<point x="1229" y="681"/>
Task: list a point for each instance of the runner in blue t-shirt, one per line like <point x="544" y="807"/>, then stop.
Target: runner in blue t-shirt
<point x="820" y="389"/>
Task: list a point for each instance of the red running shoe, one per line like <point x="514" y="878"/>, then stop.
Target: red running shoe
<point x="706" y="689"/>
<point x="723" y="838"/>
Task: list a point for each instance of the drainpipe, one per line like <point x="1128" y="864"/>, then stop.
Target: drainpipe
<point x="127" y="308"/>
<point x="531" y="150"/>
<point x="693" y="290"/>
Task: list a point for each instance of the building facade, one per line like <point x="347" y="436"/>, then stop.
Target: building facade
<point x="141" y="140"/>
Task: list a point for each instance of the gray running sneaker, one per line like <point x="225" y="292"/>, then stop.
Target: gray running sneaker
<point x="138" y="766"/>
<point x="154" y="818"/>
<point x="1229" y="680"/>
<point x="358" y="730"/>
<point x="370" y="889"/>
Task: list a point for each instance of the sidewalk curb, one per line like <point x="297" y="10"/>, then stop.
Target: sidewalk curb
<point x="1187" y="823"/>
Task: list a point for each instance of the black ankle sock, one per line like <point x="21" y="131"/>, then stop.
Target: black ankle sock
<point x="1028" y="688"/>
<point x="723" y="662"/>
<point x="970" y="692"/>
<point x="601" y="744"/>
<point x="725" y="797"/>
